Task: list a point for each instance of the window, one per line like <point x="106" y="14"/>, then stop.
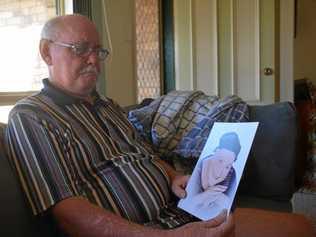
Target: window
<point x="147" y="19"/>
<point x="22" y="67"/>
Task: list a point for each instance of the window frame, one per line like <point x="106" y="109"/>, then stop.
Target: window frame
<point x="8" y="98"/>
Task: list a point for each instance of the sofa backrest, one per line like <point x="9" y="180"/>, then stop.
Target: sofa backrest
<point x="270" y="169"/>
<point x="16" y="219"/>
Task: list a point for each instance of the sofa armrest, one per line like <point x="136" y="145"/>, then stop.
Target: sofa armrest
<point x="261" y="223"/>
<point x="15" y="215"/>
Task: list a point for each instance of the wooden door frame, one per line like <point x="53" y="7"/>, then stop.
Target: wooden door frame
<point x="287" y="50"/>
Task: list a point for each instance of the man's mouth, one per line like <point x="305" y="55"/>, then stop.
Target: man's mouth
<point x="89" y="71"/>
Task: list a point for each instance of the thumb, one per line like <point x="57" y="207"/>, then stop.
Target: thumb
<point x="218" y="220"/>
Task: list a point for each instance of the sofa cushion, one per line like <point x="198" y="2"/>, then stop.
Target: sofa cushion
<point x="270" y="169"/>
<point x="2" y="131"/>
<point x="15" y="215"/>
<point x="252" y="222"/>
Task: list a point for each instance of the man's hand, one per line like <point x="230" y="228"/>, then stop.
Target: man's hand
<point x="220" y="226"/>
<point x="178" y="181"/>
<point x="178" y="185"/>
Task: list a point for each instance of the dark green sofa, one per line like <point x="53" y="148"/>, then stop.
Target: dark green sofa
<point x="269" y="180"/>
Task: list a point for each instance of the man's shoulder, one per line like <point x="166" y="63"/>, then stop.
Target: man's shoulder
<point x="32" y="101"/>
<point x="29" y="98"/>
<point x="34" y="105"/>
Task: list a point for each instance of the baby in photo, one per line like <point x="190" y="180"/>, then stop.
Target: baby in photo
<point x="218" y="174"/>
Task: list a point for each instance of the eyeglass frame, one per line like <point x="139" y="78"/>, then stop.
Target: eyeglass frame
<point x="74" y="49"/>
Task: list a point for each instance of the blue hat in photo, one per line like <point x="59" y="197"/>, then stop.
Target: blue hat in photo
<point x="230" y="141"/>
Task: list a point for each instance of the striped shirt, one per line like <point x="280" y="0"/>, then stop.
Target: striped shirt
<point x="65" y="147"/>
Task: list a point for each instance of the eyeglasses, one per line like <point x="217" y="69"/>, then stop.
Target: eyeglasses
<point x="83" y="49"/>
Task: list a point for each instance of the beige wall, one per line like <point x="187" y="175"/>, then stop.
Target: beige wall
<point x="305" y="41"/>
<point x="120" y="82"/>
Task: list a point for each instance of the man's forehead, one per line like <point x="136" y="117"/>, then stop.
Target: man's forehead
<point x="81" y="30"/>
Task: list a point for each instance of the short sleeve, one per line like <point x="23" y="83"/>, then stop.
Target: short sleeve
<point x="38" y="151"/>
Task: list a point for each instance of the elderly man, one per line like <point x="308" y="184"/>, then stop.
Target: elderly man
<point x="80" y="160"/>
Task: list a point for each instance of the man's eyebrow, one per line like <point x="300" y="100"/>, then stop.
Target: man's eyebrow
<point x="87" y="42"/>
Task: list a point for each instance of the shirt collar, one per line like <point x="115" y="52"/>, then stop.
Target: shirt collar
<point x="62" y="98"/>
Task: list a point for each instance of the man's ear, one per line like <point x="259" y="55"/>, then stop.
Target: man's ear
<point x="45" y="52"/>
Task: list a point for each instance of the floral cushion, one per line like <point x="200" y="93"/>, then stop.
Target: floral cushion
<point x="310" y="175"/>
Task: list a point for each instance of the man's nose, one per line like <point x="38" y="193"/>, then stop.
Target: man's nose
<point x="93" y="59"/>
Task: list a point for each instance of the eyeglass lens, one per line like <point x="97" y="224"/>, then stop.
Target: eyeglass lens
<point x="83" y="49"/>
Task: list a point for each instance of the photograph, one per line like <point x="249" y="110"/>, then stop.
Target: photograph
<point x="215" y="178"/>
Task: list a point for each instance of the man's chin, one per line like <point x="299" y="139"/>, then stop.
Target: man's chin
<point x="87" y="86"/>
<point x="89" y="81"/>
<point x="89" y="77"/>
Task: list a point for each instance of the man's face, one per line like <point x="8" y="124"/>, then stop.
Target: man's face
<point x="75" y="74"/>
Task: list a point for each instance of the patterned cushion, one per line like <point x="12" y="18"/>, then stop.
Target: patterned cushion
<point x="310" y="174"/>
<point x="179" y="122"/>
<point x="311" y="91"/>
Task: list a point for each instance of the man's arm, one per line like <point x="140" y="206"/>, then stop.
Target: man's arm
<point x="78" y="217"/>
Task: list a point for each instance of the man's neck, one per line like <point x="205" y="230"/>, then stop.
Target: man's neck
<point x="88" y="98"/>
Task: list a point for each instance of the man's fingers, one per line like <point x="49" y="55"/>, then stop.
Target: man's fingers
<point x="219" y="226"/>
<point x="223" y="224"/>
<point x="179" y="191"/>
<point x="178" y="185"/>
<point x="228" y="227"/>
